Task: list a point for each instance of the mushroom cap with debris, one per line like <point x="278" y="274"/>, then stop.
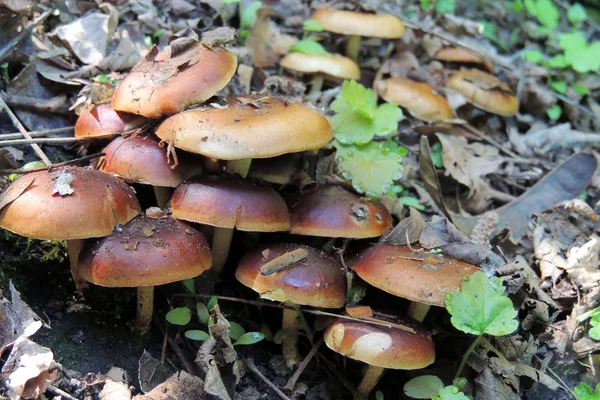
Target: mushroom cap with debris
<point x="67" y="203"/>
<point x="102" y="120"/>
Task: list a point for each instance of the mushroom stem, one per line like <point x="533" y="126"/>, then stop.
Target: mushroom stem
<point x="418" y="311"/>
<point x="353" y="47"/>
<point x="73" y="249"/>
<point x="289" y="344"/>
<point x="162" y="194"/>
<point x="372" y="375"/>
<point x="240" y="167"/>
<point x="317" y="83"/>
<point x="145" y="306"/>
<point x="220" y="248"/>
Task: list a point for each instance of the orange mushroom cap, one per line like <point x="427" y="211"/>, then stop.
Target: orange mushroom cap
<point x="383" y="26"/>
<point x="102" y="120"/>
<point x="332" y="65"/>
<point x="460" y="55"/>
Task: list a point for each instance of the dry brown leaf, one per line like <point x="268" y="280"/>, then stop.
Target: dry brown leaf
<point x="267" y="42"/>
<point x="180" y="386"/>
<point x="357" y="311"/>
<point x="582" y="264"/>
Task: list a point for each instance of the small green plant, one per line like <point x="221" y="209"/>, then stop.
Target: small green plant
<point x="583" y="391"/>
<point x="594" y="317"/>
<point x="441" y="6"/>
<point x="309" y="43"/>
<point x="372" y="166"/>
<point x="4" y="71"/>
<point x="479" y="308"/>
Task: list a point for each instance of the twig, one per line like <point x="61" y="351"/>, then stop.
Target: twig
<point x="33" y="141"/>
<point x="491" y="141"/>
<point x="51" y="166"/>
<point x="23" y="131"/>
<point x="10" y="46"/>
<point x="291" y="383"/>
<point x="386" y="324"/>
<point x="187" y="365"/>
<point x="53" y="105"/>
<point x="250" y="363"/>
<point x="339" y="376"/>
<point x="575" y="104"/>
<point x="61" y="393"/>
<point x="42" y="132"/>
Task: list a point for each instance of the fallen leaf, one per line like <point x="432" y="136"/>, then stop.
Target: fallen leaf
<point x="406" y="231"/>
<point x="62" y="186"/>
<point x="267" y="42"/>
<point x="429" y="176"/>
<point x="180" y="386"/>
<point x="151" y="372"/>
<point x="16" y="319"/>
<point x="218" y="37"/>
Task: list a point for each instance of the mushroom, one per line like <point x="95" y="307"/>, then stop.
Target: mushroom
<point x="69" y="203"/>
<point x="321" y="65"/>
<point x="484" y="91"/>
<point x="332" y="211"/>
<point x="281" y="170"/>
<point x="166" y="82"/>
<point x="380" y="347"/>
<point x="247" y="128"/>
<point x="413" y="274"/>
<point x="140" y="159"/>
<point x="357" y="24"/>
<point x="228" y="203"/>
<point x="297" y="274"/>
<point x="418" y="98"/>
<point x="102" y="120"/>
<point x="145" y="253"/>
<point x="460" y="55"/>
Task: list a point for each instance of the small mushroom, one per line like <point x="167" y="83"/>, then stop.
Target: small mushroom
<point x="460" y="55"/>
<point x="380" y="347"/>
<point x="484" y="91"/>
<point x="413" y="274"/>
<point x="146" y="252"/>
<point x="227" y="203"/>
<point x="247" y="128"/>
<point x="418" y="98"/>
<point x="102" y="121"/>
<point x="166" y="82"/>
<point x="312" y="278"/>
<point x="357" y="24"/>
<point x="321" y="65"/>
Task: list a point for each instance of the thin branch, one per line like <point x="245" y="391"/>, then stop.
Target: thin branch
<point x="291" y="383"/>
<point x="61" y="393"/>
<point x="51" y="166"/>
<point x="10" y="46"/>
<point x="60" y="140"/>
<point x="55" y="105"/>
<point x="41" y="132"/>
<point x="38" y="151"/>
<point x="250" y="363"/>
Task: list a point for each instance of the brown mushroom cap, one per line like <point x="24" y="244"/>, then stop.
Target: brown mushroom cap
<point x="380" y="346"/>
<point x="332" y="211"/>
<point x="332" y="65"/>
<point x="317" y="280"/>
<point x="484" y="91"/>
<point x="165" y="83"/>
<point x="99" y="202"/>
<point x="418" y="98"/>
<point x="247" y="128"/>
<point x="383" y="26"/>
<point x="141" y="159"/>
<point x="145" y="252"/>
<point x="231" y="203"/>
<point x="460" y="55"/>
<point x="103" y="120"/>
<point x="415" y="275"/>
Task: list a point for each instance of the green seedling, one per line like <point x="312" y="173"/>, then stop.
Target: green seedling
<point x="594" y="317"/>
<point x="309" y="46"/>
<point x="29" y="165"/>
<point x="583" y="391"/>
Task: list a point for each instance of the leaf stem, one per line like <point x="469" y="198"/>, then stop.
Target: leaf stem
<point x="466" y="356"/>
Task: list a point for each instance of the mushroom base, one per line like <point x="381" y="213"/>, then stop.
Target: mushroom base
<point x="162" y="194"/>
<point x="353" y="47"/>
<point x="73" y="249"/>
<point x="240" y="167"/>
<point x="145" y="307"/>
<point x="369" y="381"/>
<point x="418" y="311"/>
<point x="289" y="344"/>
<point x="220" y="248"/>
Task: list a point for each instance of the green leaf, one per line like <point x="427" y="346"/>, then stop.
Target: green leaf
<point x="236" y="331"/>
<point x="594" y="314"/>
<point x="480" y="307"/>
<point x="425" y="4"/>
<point x="387" y="117"/>
<point x="196" y="334"/>
<point x="576" y="14"/>
<point x="371" y="168"/>
<point x="392" y="145"/>
<point x="410" y="201"/>
<point x="530" y="6"/>
<point x="423" y="387"/>
<point x="572" y="40"/>
<point x="308" y="46"/>
<point x="352" y="127"/>
<point x="584" y="59"/>
<point x="451" y="393"/>
<point x="4" y="65"/>
<point x="445" y="6"/>
<point x="533" y="56"/>
<point x="436" y="155"/>
<point x="157" y="33"/>
<point x="547" y="13"/>
<point x="583" y="391"/>
<point x="580" y="89"/>
<point x="558" y="61"/>
<point x="229" y="1"/>
<point x="355" y="97"/>
<point x="312" y="25"/>
<point x="517" y="6"/>
<point x="248" y="15"/>
<point x="212" y="303"/>
<point x="189" y="285"/>
<point x="102" y="78"/>
<point x="554" y="112"/>
<point x="559" y="86"/>
<point x="203" y="314"/>
<point x="250" y="338"/>
<point x="179" y="316"/>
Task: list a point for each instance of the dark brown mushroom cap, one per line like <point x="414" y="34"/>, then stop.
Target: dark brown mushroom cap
<point x="332" y="211"/>
<point x="417" y="97"/>
<point x="332" y="65"/>
<point x="380" y="346"/>
<point x="164" y="84"/>
<point x="383" y="26"/>
<point x="145" y="252"/>
<point x="140" y="159"/>
<point x="247" y="128"/>
<point x="102" y="120"/>
<point x="228" y="202"/>
<point x="484" y="91"/>
<point x="99" y="202"/>
<point x="415" y="275"/>
<point x="317" y="280"/>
